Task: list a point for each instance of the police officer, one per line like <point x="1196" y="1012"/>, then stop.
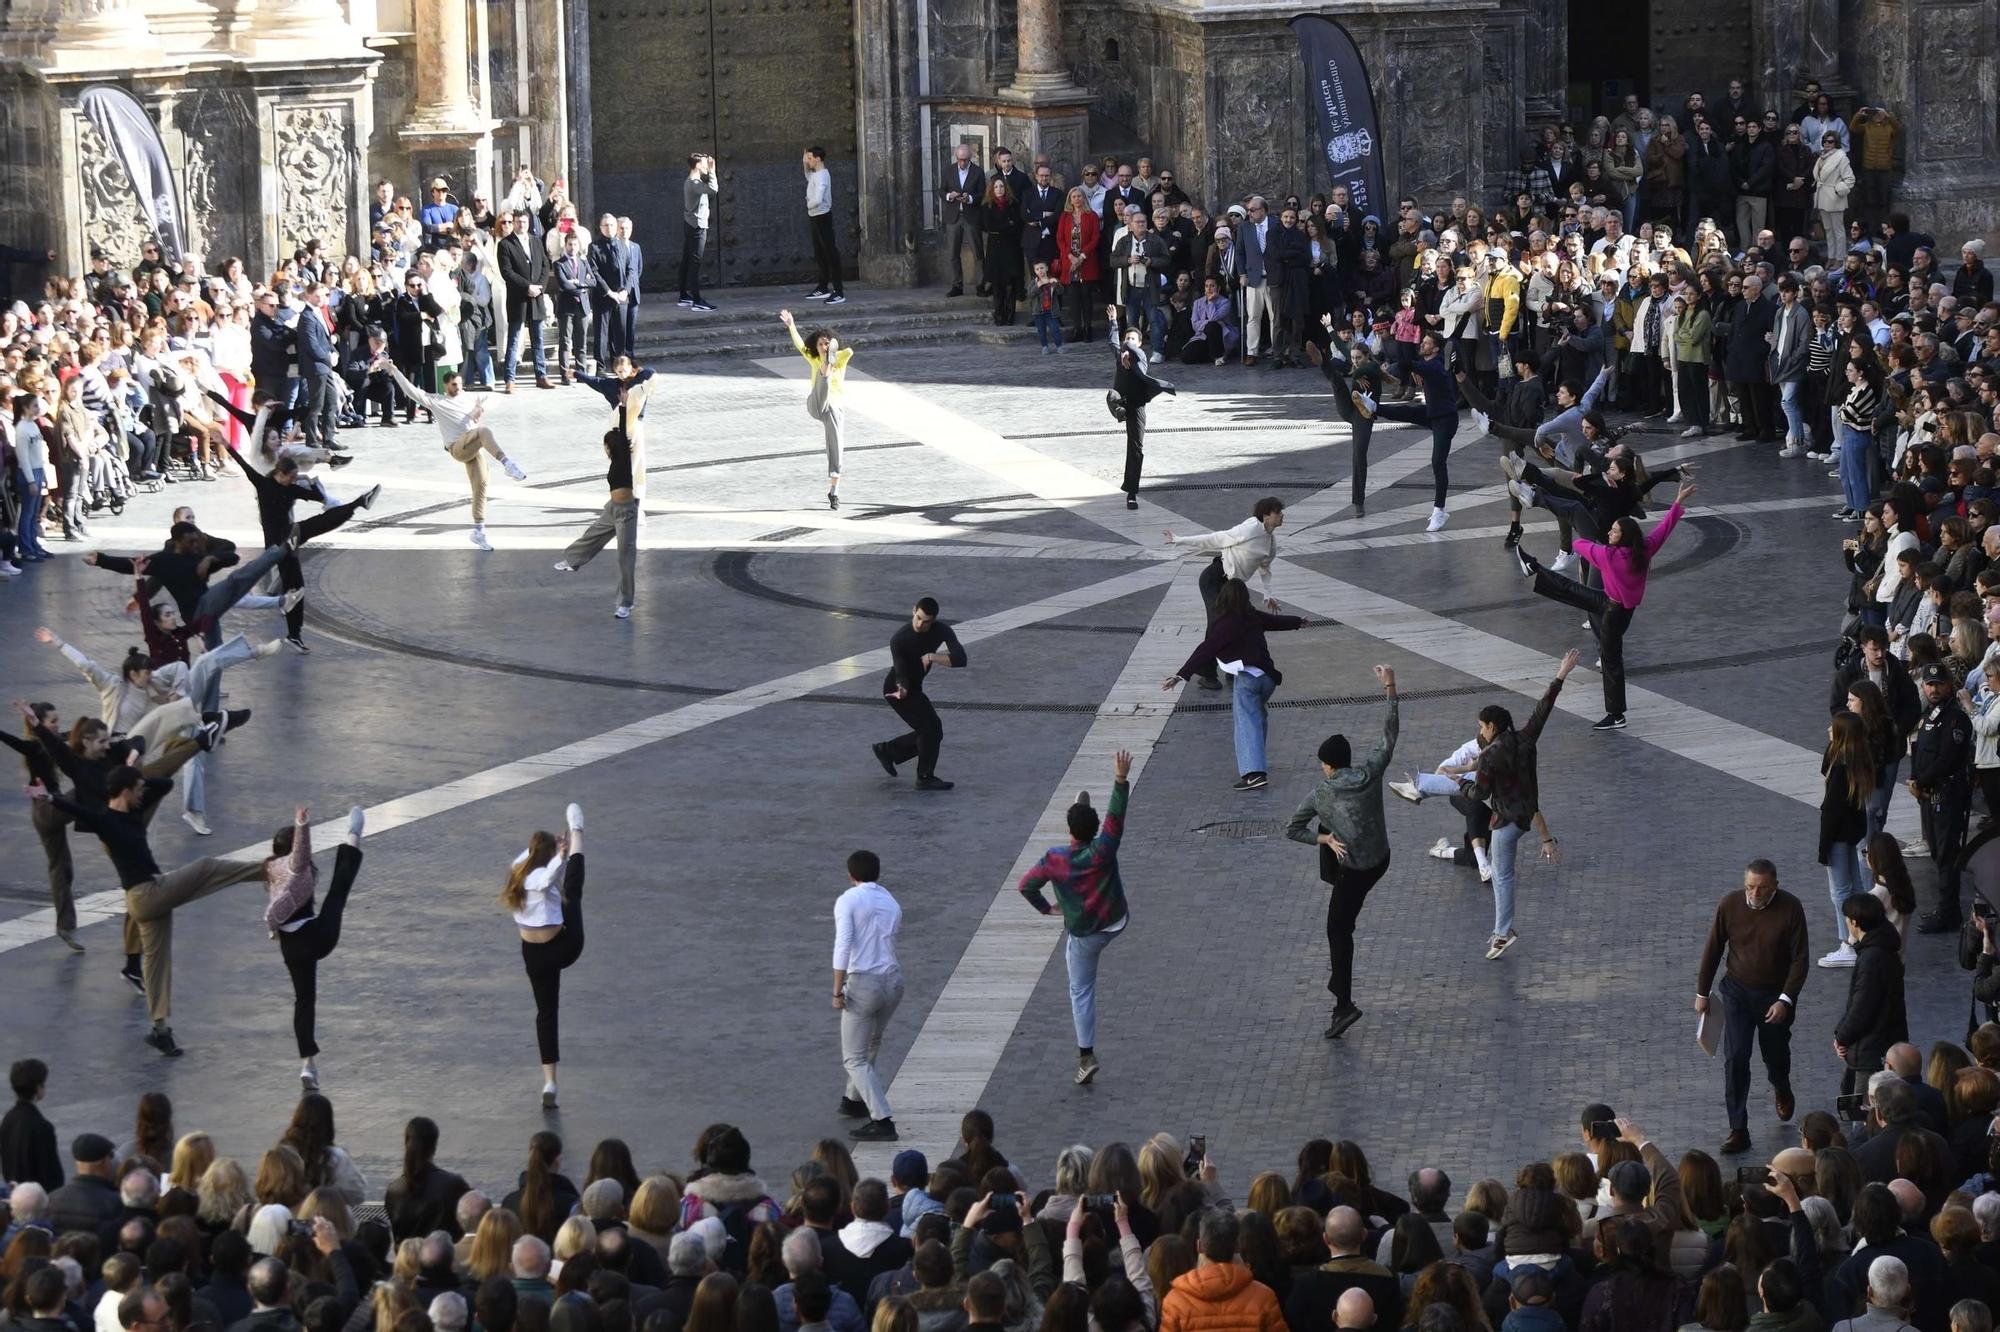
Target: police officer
<point x="1941" y="780"/>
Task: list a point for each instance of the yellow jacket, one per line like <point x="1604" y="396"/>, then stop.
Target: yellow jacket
<point x="1877" y="141"/>
<point x="1505" y="287"/>
<point x="836" y="378"/>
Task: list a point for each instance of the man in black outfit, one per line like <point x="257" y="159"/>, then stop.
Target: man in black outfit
<point x="1940" y="768"/>
<point x="524" y="267"/>
<point x="27" y="1140"/>
<point x="924" y="642"/>
<point x="277" y="492"/>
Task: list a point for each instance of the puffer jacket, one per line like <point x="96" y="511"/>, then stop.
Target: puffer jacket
<point x="1220" y="1297"/>
<point x="1689" y="1254"/>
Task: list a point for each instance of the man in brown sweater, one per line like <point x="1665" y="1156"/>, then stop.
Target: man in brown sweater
<point x="1763" y="928"/>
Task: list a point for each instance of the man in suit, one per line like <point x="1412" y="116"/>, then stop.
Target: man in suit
<point x="1040" y="207"/>
<point x="316" y="366"/>
<point x="1251" y="241"/>
<point x="524" y="269"/>
<point x="1791" y="336"/>
<point x="964" y="185"/>
<point x="629" y="311"/>
<point x="612" y="259"/>
<point x="1744" y="362"/>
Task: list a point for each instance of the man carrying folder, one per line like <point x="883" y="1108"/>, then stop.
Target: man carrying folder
<point x="1763" y="929"/>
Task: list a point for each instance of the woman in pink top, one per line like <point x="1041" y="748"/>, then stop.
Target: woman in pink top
<point x="307" y="933"/>
<point x="1623" y="562"/>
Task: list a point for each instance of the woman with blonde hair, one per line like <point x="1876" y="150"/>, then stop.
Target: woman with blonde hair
<point x="193" y="1155"/>
<point x="492" y="1251"/>
<point x="576" y="1235"/>
<point x="544" y="891"/>
<point x="653" y="1215"/>
<point x="834" y="1158"/>
<point x="1269" y="1194"/>
<point x="223" y="1192"/>
<point x="1160" y="1170"/>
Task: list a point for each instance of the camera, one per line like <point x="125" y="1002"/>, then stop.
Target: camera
<point x="299" y="1230"/>
<point x="1853" y="1108"/>
<point x="1100" y="1202"/>
<point x="1197" y="1152"/>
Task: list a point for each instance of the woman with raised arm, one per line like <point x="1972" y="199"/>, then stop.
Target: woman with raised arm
<point x="307" y="933"/>
<point x="828" y="360"/>
<point x="545" y="894"/>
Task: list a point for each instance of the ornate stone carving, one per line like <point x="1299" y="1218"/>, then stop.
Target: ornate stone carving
<point x="114" y="220"/>
<point x="316" y="170"/>
<point x="216" y="127"/>
<point x="1254" y="131"/>
<point x="1427" y="84"/>
<point x="1949" y="120"/>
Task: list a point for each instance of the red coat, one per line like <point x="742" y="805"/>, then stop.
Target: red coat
<point x="1088" y="268"/>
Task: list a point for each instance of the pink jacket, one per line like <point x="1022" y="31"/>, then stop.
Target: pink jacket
<point x="290" y="882"/>
<point x="1624" y="577"/>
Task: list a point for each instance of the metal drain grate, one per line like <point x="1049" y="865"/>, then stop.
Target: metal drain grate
<point x="1241" y="830"/>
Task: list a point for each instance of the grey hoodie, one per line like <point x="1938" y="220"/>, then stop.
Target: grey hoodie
<point x="1349" y="805"/>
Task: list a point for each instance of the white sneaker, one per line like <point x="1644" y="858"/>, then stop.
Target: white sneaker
<point x="574" y="816"/>
<point x="513" y="469"/>
<point x="8" y="569"/>
<point x="1367" y="404"/>
<point x="1442" y="849"/>
<point x="564" y="566"/>
<point x="1842" y="956"/>
<point x="1791" y="451"/>
<point x="623" y="612"/>
<point x="1563" y="562"/>
<point x="1499" y="944"/>
<point x="1409" y="792"/>
<point x="1523" y="493"/>
<point x="196" y="822"/>
<point x="1916" y="846"/>
<point x="479" y="539"/>
<point x="291" y="599"/>
<point x="1438" y="519"/>
<point x="1692" y="432"/>
<point x="1154" y="358"/>
<point x="271" y="648"/>
<point x="1481" y="420"/>
<point x="1675" y="419"/>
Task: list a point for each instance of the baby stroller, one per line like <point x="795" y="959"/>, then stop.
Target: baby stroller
<point x="107" y="479"/>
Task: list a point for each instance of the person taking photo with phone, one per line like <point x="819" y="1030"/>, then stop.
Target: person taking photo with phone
<point x="1762" y="929"/>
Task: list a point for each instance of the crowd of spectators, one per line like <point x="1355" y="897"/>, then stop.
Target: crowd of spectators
<point x="1890" y="1222"/>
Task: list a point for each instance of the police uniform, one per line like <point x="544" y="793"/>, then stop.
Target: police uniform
<point x="1940" y="770"/>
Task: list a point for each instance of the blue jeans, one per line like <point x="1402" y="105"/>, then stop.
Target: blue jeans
<point x="1878" y="803"/>
<point x="531" y="324"/>
<point x="1048" y="324"/>
<point x="1080" y="955"/>
<point x="33" y="486"/>
<point x="1795" y="412"/>
<point x="1845" y="876"/>
<point x="1142" y="310"/>
<point x="1249" y="695"/>
<point x="1501" y="850"/>
<point x="1857" y="467"/>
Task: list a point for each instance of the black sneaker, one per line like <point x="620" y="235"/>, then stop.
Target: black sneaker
<point x="162" y="1039"/>
<point x="297" y="644"/>
<point x="1938" y="922"/>
<point x="1526" y="561"/>
<point x="1513" y="535"/>
<point x="875" y="1130"/>
<point x="933" y="784"/>
<point x="853" y="1109"/>
<point x="702" y="306"/>
<point x="208" y="735"/>
<point x="1252" y="781"/>
<point x="1342" y="1019"/>
<point x="340" y="460"/>
<point x="881" y="753"/>
<point x="1611" y="721"/>
<point x="838" y="299"/>
<point x="135" y="979"/>
<point x="235" y="717"/>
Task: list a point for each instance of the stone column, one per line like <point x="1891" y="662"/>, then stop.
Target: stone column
<point x="1038" y="64"/>
<point x="101" y="32"/>
<point x="314" y="29"/>
<point x="448" y="135"/>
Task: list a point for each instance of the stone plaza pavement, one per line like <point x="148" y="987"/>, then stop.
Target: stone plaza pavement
<point x="718" y="742"/>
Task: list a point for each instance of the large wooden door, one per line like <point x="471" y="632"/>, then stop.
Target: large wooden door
<point x="752" y="81"/>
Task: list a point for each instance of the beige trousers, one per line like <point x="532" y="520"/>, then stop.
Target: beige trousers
<point x="151" y="905"/>
<point x="471" y="449"/>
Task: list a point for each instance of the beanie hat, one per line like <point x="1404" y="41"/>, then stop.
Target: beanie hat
<point x="1335" y="752"/>
<point x="1977" y="245"/>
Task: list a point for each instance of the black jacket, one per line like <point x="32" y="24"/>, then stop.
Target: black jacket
<point x="520" y="268"/>
<point x="1941" y="755"/>
<point x="1754" y="166"/>
<point x="429" y="1202"/>
<point x="281" y="1319"/>
<point x="1905" y="707"/>
<point x="86" y="1203"/>
<point x="28" y="1147"/>
<point x="907" y="649"/>
<point x="1288" y="264"/>
<point x="1708" y="171"/>
<point x="1875" y="1018"/>
<point x="563" y="1194"/>
<point x="1842" y="819"/>
<point x="270" y="353"/>
<point x="1745" y="361"/>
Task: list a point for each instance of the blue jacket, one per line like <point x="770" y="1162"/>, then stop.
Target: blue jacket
<point x="315" y="340"/>
<point x="1440" y="392"/>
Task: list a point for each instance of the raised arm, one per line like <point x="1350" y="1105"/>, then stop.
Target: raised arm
<point x="1378" y="758"/>
<point x="96" y="674"/>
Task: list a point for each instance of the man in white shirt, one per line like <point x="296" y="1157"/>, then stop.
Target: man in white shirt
<point x="867" y="987"/>
<point x="466" y="439"/>
<point x="1247" y="548"/>
<point x="819" y="214"/>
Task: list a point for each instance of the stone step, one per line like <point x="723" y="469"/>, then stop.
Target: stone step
<point x="879" y="324"/>
<point x="758" y="344"/>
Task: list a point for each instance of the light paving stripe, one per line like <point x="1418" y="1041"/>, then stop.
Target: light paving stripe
<point x="1538" y="518"/>
<point x="968" y="1027"/>
<point x="37" y="926"/>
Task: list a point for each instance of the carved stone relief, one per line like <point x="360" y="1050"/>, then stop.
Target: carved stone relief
<point x="114" y="220"/>
<point x="315" y="161"/>
<point x="1950" y="109"/>
<point x="1427" y="94"/>
<point x="1254" y="133"/>
<point x="218" y="128"/>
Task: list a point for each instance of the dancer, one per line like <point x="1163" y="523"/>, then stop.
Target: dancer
<point x="1439" y="411"/>
<point x="1507" y="782"/>
<point x="1356" y="380"/>
<point x="828" y="361"/>
<point x="1235" y="643"/>
<point x="466" y="438"/>
<point x="914" y="648"/>
<point x="867" y="989"/>
<point x="305" y="934"/>
<point x="545" y="892"/>
<point x="1132" y="387"/>
<point x="183" y="569"/>
<point x="1091" y="896"/>
<point x="150" y="896"/>
<point x="1353" y="841"/>
<point x="625" y="376"/>
<point x="619" y="517"/>
<point x="1622" y="562"/>
<point x="1574" y="420"/>
<point x="277" y="491"/>
<point x="1453" y="780"/>
<point x="1597" y="499"/>
<point x="51" y="826"/>
<point x="1247" y="548"/>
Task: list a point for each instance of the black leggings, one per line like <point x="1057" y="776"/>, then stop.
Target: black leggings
<point x="1608" y="619"/>
<point x="304" y="947"/>
<point x="545" y="962"/>
<point x="1478" y="818"/>
<point x="1349" y="893"/>
<point x="1135" y="449"/>
<point x="1418" y="413"/>
<point x="1362" y="426"/>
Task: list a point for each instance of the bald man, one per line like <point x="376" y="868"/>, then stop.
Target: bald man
<point x="1907" y="1063"/>
<point x="1354" y="1310"/>
<point x="1315" y="1296"/>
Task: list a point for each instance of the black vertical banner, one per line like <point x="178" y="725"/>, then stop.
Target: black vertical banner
<point x="132" y="135"/>
<point x="1337" y="82"/>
